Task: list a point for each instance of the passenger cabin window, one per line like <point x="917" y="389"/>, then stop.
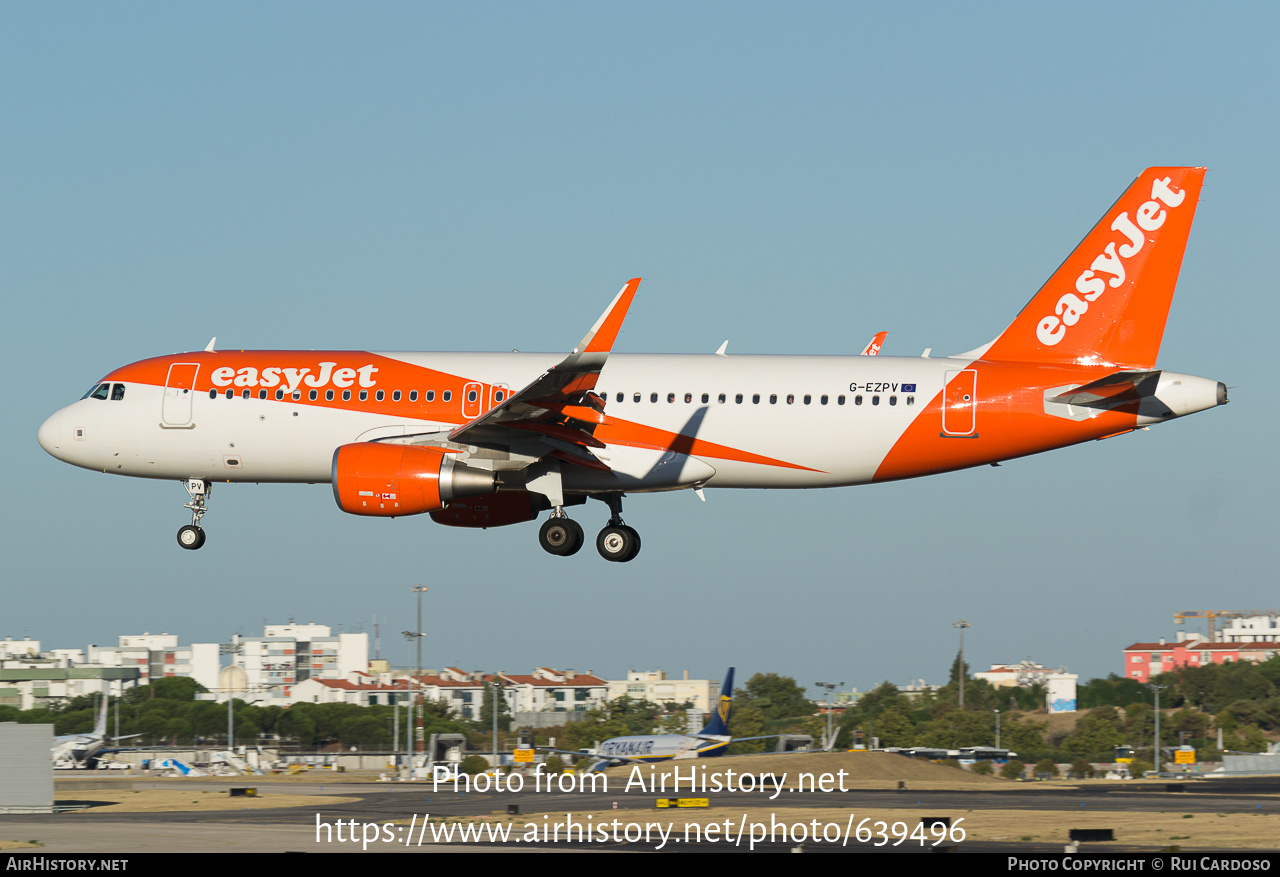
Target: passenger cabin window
<point x="213" y="394"/>
<point x="380" y="395"/>
<point x="245" y="394"/>
<point x="635" y="397"/>
<point x="431" y="395"/>
<point x="230" y="393"/>
<point x="313" y="395"/>
<point x="446" y="395"/>
<point x="471" y="396"/>
<point x="395" y="395"/>
<point x="262" y="394"/>
<point x="364" y="395"/>
<point x="346" y="395"/>
<point x="279" y="395"/>
<point x="653" y="397"/>
<point x="328" y="395"/>
<point x="413" y="395"/>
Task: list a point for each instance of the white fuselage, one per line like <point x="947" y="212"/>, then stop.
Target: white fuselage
<point x="830" y="419"/>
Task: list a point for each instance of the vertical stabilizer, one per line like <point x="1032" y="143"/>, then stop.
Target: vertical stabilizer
<point x="100" y="729"/>
<point x="1107" y="303"/>
<point x="719" y="724"/>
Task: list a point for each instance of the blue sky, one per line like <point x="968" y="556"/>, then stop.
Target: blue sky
<point x="791" y="177"/>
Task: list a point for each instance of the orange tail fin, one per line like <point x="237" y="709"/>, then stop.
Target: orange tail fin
<point x="1108" y="302"/>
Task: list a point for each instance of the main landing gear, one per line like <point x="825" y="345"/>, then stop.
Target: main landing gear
<point x="191" y="536"/>
<point x="616" y="542"/>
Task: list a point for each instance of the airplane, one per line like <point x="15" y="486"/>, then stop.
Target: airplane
<point x="711" y="741"/>
<point x="75" y="751"/>
<point x="447" y="435"/>
<point x="874" y="345"/>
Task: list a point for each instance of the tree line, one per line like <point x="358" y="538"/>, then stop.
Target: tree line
<point x="1240" y="699"/>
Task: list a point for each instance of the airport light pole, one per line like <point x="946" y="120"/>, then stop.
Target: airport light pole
<point x="830" y="687"/>
<point x="960" y="626"/>
<point x="997" y="729"/>
<point x="231" y="649"/>
<point x="1156" y="751"/>
<point x="415" y="698"/>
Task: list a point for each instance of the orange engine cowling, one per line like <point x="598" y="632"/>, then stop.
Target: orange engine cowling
<point x="386" y="480"/>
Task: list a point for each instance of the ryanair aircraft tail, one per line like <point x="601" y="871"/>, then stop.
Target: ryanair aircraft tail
<point x="1108" y="302"/>
<point x="719" y="724"/>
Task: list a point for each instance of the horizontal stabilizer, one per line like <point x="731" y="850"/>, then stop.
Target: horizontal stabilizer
<point x="1114" y="391"/>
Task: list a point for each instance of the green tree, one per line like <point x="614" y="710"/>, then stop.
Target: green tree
<point x="1112" y="691"/>
<point x="484" y="720"/>
<point x="176" y="688"/>
<point x="954" y="728"/>
<point x="1013" y="770"/>
<point x="1096" y="734"/>
<point x="1022" y="735"/>
<point x="746" y="720"/>
<point x="776" y="697"/>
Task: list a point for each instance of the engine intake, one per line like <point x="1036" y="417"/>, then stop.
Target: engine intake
<point x="386" y="480"/>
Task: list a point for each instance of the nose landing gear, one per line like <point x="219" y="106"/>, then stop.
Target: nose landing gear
<point x="191" y="536"/>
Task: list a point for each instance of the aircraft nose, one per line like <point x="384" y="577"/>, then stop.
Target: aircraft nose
<point x="54" y="435"/>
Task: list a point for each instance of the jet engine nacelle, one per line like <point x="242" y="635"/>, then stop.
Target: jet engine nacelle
<point x="386" y="480"/>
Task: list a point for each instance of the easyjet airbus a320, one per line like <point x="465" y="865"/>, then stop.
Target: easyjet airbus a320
<point x="489" y="439"/>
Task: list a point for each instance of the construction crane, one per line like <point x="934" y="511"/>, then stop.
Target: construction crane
<point x="1212" y="615"/>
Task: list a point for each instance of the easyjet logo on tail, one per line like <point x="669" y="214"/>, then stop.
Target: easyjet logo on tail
<point x="1111" y="261"/>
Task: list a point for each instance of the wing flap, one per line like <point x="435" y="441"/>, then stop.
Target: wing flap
<point x="559" y="405"/>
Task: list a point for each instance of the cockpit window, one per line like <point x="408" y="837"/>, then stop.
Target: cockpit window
<point x="117" y="392"/>
<point x="98" y="392"/>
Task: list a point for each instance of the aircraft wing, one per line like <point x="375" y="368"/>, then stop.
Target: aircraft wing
<point x="559" y="407"/>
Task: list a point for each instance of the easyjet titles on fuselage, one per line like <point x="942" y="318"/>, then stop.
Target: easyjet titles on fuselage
<point x="292" y="378"/>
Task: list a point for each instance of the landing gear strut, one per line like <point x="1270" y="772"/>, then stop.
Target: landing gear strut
<point x="191" y="536"/>
<point x="617" y="541"/>
<point x="560" y="535"/>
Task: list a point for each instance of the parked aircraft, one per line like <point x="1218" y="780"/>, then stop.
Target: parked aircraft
<point x="489" y="439"/>
<point x="83" y="750"/>
<point x="711" y="741"/>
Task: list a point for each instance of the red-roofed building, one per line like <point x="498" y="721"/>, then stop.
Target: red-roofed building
<point x="1145" y="660"/>
<point x="545" y="691"/>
